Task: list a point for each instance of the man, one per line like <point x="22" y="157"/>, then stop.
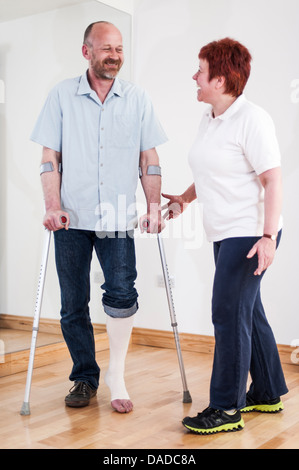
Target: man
<point x="98" y="134"/>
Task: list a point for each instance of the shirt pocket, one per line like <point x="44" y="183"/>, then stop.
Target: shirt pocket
<point x="124" y="131"/>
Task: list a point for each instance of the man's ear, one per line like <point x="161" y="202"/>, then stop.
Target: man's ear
<point x="86" y="52"/>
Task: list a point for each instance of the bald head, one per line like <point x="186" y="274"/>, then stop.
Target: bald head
<point x="98" y="28"/>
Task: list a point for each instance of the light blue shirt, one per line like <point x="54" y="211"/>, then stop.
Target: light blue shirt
<point x="100" y="145"/>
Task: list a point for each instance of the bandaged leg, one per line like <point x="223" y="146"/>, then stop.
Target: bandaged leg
<point x="119" y="332"/>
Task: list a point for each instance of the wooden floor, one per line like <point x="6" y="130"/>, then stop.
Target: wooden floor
<point x="154" y="383"/>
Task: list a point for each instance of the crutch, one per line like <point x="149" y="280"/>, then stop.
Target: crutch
<point x="25" y="410"/>
<point x="186" y="394"/>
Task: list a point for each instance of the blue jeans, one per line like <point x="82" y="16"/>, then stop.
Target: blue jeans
<point x="73" y="254"/>
<point x="244" y="341"/>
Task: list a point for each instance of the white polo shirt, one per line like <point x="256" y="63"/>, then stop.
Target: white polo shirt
<point x="228" y="154"/>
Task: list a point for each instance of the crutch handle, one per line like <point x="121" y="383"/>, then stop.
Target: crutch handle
<point x="63" y="220"/>
<point x="145" y="224"/>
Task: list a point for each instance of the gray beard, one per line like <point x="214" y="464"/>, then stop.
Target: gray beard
<point x="103" y="74"/>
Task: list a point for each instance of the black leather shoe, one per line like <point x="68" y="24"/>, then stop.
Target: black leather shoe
<point x="80" y="395"/>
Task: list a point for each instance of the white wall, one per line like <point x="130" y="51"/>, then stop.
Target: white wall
<point x="168" y="35"/>
<point x="123" y="5"/>
<point x="37" y="51"/>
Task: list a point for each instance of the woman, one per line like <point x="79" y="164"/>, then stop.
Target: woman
<point x="235" y="162"/>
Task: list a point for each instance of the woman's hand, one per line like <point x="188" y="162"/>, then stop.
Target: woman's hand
<point x="265" y="249"/>
<point x="175" y="206"/>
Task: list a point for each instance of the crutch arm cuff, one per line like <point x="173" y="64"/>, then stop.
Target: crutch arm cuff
<point x="49" y="167"/>
<point x="152" y="170"/>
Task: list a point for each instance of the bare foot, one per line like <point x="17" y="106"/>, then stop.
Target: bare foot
<point x="122" y="406"/>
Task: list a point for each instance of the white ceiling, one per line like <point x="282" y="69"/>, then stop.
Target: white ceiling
<point x="12" y="9"/>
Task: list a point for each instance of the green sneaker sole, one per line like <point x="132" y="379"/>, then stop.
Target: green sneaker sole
<point x="231" y="427"/>
<point x="264" y="408"/>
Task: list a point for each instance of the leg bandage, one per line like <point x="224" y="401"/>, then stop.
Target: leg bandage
<point x="119" y="332"/>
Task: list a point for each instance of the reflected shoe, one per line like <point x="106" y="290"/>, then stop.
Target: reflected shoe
<point x="265" y="406"/>
<point x="211" y="421"/>
<point x="80" y="395"/>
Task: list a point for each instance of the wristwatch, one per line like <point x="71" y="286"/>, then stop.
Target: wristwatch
<point x="272" y="237"/>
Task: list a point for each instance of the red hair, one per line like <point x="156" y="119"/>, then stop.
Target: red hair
<point x="229" y="59"/>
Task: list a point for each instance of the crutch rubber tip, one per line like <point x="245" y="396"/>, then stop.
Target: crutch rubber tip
<point x="187" y="397"/>
<point x="25" y="410"/>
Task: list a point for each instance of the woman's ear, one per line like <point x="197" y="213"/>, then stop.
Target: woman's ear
<point x="220" y="82"/>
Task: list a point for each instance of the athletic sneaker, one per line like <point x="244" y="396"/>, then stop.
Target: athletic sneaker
<point x="80" y="395"/>
<point x="265" y="406"/>
<point x="211" y="421"/>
